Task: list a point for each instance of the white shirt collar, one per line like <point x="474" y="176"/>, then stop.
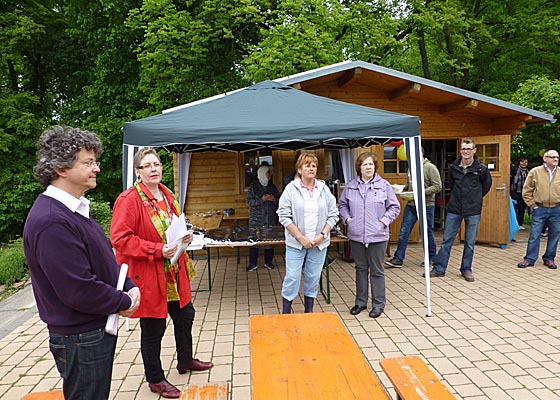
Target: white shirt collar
<point x="80" y="206"/>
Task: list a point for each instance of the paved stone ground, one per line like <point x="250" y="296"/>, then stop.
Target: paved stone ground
<point x="497" y="338"/>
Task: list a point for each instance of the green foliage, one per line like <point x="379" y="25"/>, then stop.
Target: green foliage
<point x="541" y="93"/>
<point x="101" y="211"/>
<point x="96" y="65"/>
<point x="13" y="267"/>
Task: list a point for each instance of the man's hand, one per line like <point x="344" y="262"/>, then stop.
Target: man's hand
<point x="135" y="295"/>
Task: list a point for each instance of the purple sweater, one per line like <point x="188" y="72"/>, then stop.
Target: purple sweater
<point x="73" y="269"/>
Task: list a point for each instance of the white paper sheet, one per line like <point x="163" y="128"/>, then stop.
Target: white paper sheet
<point x="112" y="325"/>
<point x="177" y="230"/>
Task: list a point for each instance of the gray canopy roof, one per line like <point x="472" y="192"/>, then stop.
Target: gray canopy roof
<point x="270" y="115"/>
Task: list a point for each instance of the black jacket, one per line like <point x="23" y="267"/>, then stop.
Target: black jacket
<point x="468" y="187"/>
<point x="262" y="214"/>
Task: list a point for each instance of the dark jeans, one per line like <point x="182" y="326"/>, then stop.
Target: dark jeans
<point x="254" y="255"/>
<point x="541" y="217"/>
<point x="152" y="330"/>
<point x="408" y="221"/>
<point x="85" y="363"/>
<point x="452" y="225"/>
<point x="520" y="207"/>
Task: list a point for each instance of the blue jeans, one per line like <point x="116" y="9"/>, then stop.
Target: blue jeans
<point x="408" y="221"/>
<point x="85" y="363"/>
<point x="541" y="217"/>
<point x="314" y="261"/>
<point x="452" y="225"/>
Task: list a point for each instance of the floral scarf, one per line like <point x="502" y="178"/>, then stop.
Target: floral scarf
<point x="160" y="220"/>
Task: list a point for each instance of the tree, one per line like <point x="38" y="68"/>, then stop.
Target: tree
<point x="541" y="93"/>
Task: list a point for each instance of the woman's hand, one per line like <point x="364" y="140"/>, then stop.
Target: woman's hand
<point x="188" y="238"/>
<point x="168" y="251"/>
<point x="306" y="242"/>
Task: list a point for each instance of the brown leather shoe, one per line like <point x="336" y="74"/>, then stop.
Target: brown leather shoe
<point x="165" y="389"/>
<point x="195" y="365"/>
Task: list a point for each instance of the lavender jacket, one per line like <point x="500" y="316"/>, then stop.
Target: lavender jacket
<point x="372" y="206"/>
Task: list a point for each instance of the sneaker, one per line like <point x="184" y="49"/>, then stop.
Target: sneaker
<point x="525" y="264"/>
<point x="433" y="274"/>
<point x="544" y="234"/>
<point x="422" y="264"/>
<point x="550" y="264"/>
<point x="468" y="276"/>
<point x="394" y="262"/>
<point x="251" y="268"/>
<point x="269" y="266"/>
<point x="521" y="228"/>
<point x="331" y="260"/>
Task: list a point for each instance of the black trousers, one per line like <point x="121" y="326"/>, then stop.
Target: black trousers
<point x="152" y="330"/>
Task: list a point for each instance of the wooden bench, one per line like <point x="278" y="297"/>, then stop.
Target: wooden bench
<point x="308" y="356"/>
<point x="52" y="395"/>
<point x="209" y="391"/>
<point x="413" y="379"/>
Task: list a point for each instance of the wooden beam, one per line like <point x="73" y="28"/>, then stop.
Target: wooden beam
<point x="411" y="88"/>
<point x="349" y="76"/>
<point x="458" y="105"/>
<point x="517" y="122"/>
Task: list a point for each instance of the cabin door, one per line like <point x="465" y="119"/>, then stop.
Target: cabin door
<point x="494" y="152"/>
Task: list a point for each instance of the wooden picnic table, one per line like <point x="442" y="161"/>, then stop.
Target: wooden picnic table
<point x="308" y="356"/>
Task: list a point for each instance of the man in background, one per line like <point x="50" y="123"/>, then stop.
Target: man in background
<point x="516" y="190"/>
<point x="541" y="192"/>
<point x="469" y="180"/>
<point x="73" y="269"/>
<point x="432" y="185"/>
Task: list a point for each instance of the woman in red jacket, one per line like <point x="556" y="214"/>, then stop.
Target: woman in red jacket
<point x="140" y="217"/>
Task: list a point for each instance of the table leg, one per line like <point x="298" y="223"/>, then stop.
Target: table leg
<point x="326" y="267"/>
<point x="209" y="272"/>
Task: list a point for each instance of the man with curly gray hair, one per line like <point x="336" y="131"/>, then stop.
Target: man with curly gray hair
<point x="73" y="269"/>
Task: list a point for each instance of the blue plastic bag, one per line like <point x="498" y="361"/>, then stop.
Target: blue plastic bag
<point x="513" y="225"/>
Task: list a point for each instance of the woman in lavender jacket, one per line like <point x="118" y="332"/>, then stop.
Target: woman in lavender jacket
<point x="367" y="206"/>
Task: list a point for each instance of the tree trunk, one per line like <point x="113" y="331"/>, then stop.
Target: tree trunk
<point x="423" y="54"/>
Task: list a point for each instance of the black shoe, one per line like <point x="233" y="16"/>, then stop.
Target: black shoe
<point x="331" y="260"/>
<point x="375" y="312"/>
<point x="394" y="262"/>
<point x="269" y="266"/>
<point x="357" y="309"/>
<point x="251" y="268"/>
<point x="525" y="264"/>
<point x="550" y="264"/>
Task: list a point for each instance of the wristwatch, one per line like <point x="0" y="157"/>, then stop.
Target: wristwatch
<point x="325" y="235"/>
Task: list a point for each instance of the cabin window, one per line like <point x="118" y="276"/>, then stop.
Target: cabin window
<point x="489" y="155"/>
<point x="252" y="160"/>
<point x="391" y="162"/>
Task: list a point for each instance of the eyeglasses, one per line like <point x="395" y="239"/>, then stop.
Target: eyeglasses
<point x="555" y="157"/>
<point x="92" y="164"/>
<point x="149" y="165"/>
<point x="467" y="149"/>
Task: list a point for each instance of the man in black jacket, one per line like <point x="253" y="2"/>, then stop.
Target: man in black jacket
<point x="470" y="181"/>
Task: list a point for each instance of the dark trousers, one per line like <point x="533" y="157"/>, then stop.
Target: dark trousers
<point x="85" y="363"/>
<point x="369" y="266"/>
<point x="520" y="207"/>
<point x="152" y="330"/>
<point x="254" y="255"/>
